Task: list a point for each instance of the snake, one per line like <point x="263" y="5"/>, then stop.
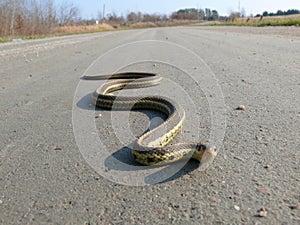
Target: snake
<point x="153" y="146"/>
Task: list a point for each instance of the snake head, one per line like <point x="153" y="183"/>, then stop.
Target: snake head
<point x="205" y="155"/>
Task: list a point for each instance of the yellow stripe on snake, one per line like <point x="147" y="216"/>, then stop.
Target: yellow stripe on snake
<point x="152" y="147"/>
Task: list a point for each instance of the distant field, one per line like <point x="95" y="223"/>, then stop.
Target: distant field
<point x="290" y="20"/>
<point x="81" y="29"/>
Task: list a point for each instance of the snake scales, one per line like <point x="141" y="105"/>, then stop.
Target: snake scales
<point x="152" y="147"/>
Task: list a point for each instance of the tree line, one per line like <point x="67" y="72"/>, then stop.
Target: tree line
<point x="182" y="14"/>
<point x="36" y="17"/>
<point x="282" y="13"/>
<point x="31" y="17"/>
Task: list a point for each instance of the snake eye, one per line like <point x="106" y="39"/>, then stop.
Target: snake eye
<point x="200" y="147"/>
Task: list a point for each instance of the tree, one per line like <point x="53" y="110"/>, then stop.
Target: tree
<point x="201" y="14"/>
<point x="265" y="13"/>
<point x="30" y="17"/>
<point x="151" y="18"/>
<point x="280" y="13"/>
<point x="185" y="14"/>
<point x="67" y="14"/>
<point x="132" y="17"/>
<point x="207" y="14"/>
<point x="215" y="15"/>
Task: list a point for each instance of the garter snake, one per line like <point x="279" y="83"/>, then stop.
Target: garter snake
<point x="152" y="147"/>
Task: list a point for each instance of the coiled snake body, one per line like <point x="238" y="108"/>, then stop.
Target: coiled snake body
<point x="152" y="147"/>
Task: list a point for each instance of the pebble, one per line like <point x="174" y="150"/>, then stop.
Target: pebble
<point x="262" y="212"/>
<point x="262" y="190"/>
<point x="186" y="215"/>
<point x="291" y="206"/>
<point x="213" y="199"/>
<point x="238" y="158"/>
<point x="241" y="107"/>
<point x="237" y="208"/>
<point x="99" y="115"/>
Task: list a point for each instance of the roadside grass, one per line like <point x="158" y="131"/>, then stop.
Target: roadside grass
<point x="30" y="37"/>
<point x="62" y="31"/>
<point x="78" y="29"/>
<point x="290" y="20"/>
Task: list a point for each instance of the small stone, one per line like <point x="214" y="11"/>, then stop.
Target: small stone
<point x="262" y="190"/>
<point x="1" y="201"/>
<point x="238" y="158"/>
<point x="213" y="199"/>
<point x="267" y="166"/>
<point x="99" y="115"/>
<point x="237" y="192"/>
<point x="297" y="206"/>
<point x="262" y="212"/>
<point x="237" y="208"/>
<point x="241" y="107"/>
<point x="186" y="215"/>
<point x="57" y="149"/>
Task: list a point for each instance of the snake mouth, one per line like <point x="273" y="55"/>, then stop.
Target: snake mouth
<point x="205" y="154"/>
<point x="208" y="156"/>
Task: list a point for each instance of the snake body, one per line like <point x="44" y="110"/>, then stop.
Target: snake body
<point x="152" y="147"/>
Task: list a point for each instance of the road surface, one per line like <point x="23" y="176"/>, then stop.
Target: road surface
<point x="255" y="179"/>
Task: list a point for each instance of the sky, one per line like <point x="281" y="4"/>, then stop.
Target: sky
<point x="91" y="8"/>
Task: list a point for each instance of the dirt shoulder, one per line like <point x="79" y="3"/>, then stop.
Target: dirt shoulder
<point x="278" y="31"/>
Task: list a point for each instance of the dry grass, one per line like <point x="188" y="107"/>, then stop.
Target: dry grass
<point x="270" y="18"/>
<point x="142" y="25"/>
<point x="83" y="29"/>
<point x="289" y="20"/>
<point x="80" y="29"/>
<point x="163" y="24"/>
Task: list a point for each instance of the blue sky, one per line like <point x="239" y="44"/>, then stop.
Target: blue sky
<point x="90" y="8"/>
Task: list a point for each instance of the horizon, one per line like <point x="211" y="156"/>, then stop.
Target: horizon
<point x="91" y="8"/>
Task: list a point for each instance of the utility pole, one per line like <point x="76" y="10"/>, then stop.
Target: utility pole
<point x="239" y="6"/>
<point x="103" y="15"/>
<point x="198" y="12"/>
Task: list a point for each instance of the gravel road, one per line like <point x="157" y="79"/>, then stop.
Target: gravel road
<point x="46" y="178"/>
